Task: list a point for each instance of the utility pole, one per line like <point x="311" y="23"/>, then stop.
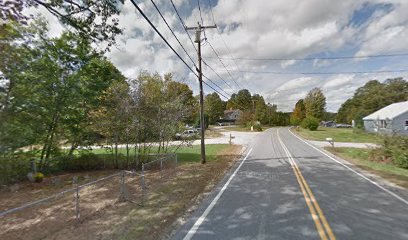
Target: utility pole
<point x="253" y="114"/>
<point x="198" y="30"/>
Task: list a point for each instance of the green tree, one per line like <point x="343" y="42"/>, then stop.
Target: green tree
<point x="261" y="109"/>
<point x="315" y="103"/>
<point x="93" y="19"/>
<point x="214" y="107"/>
<point x="299" y="113"/>
<point x="51" y="94"/>
<point x="241" y="100"/>
<point x="372" y="97"/>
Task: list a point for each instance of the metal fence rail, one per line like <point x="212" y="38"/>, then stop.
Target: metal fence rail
<point x="133" y="186"/>
<point x="76" y="190"/>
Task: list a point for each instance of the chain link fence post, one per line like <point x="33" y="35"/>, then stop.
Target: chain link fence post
<point x="76" y="196"/>
<point x="123" y="191"/>
<point x="161" y="167"/>
<point x="143" y="184"/>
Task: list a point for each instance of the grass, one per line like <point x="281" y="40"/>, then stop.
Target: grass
<point x="166" y="200"/>
<point x="159" y="216"/>
<point x="186" y="154"/>
<point x="360" y="158"/>
<point x="239" y="128"/>
<point x="339" y="135"/>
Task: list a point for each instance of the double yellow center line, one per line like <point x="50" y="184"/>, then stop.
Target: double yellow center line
<point x="322" y="226"/>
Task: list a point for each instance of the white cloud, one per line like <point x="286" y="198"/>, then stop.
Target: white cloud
<point x="338" y="81"/>
<point x="268" y="29"/>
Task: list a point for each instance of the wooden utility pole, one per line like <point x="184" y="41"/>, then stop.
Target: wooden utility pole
<point x="253" y="114"/>
<point x="198" y="30"/>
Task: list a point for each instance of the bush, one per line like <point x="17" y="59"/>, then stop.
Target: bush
<point x="393" y="149"/>
<point x="258" y="127"/>
<point x="38" y="177"/>
<point x="310" y="123"/>
<point x="397" y="148"/>
<point x="14" y="168"/>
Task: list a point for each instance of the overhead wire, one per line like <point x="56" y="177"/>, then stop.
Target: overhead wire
<point x="171" y="30"/>
<point x="201" y="17"/>
<point x="320" y="58"/>
<point x="222" y="38"/>
<point x="222" y="63"/>
<point x="171" y="47"/>
<point x="323" y="73"/>
<point x="191" y="40"/>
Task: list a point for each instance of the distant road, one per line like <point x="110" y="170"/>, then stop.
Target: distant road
<point x="286" y="188"/>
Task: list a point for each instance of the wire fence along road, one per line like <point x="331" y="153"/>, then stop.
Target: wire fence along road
<point x="81" y="201"/>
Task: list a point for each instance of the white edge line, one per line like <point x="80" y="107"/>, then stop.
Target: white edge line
<point x="354" y="171"/>
<point x="201" y="219"/>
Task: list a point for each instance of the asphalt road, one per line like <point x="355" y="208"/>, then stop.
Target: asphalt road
<point x="285" y="188"/>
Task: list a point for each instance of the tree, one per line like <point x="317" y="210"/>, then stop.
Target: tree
<point x="241" y="100"/>
<point x="315" y="103"/>
<point x="310" y="123"/>
<point x="372" y="97"/>
<point x="299" y="113"/>
<point x="214" y="107"/>
<point x="93" y="19"/>
<point x="261" y="109"/>
<point x="53" y="91"/>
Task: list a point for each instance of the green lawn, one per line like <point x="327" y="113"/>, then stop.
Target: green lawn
<point x="185" y="154"/>
<point x="339" y="135"/>
<point x="239" y="128"/>
<point x="360" y="158"/>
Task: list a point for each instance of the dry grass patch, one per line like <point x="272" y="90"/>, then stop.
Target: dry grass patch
<point x="104" y="217"/>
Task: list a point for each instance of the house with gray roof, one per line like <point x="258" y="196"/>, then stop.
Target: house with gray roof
<point x="392" y="119"/>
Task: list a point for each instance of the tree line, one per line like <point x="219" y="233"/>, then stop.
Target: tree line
<point x="60" y="96"/>
<point x="371" y="97"/>
<point x="253" y="107"/>
<point x="367" y="99"/>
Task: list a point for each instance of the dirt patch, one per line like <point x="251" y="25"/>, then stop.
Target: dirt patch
<point x="103" y="216"/>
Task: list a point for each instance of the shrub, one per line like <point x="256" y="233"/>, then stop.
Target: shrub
<point x="393" y="149"/>
<point x="258" y="127"/>
<point x="38" y="177"/>
<point x="310" y="123"/>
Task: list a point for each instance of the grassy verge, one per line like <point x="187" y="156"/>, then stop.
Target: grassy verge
<point x="339" y="135"/>
<point x="167" y="199"/>
<point x="238" y="128"/>
<point x="172" y="200"/>
<point x="360" y="158"/>
<point x="186" y="154"/>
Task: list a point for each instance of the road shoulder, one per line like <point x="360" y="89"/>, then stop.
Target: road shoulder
<point x="365" y="173"/>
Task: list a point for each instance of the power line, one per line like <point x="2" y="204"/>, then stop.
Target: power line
<point x="184" y="25"/>
<point x="168" y="26"/>
<point x="225" y="44"/>
<point x="161" y="36"/>
<point x="191" y="40"/>
<point x="205" y="63"/>
<point x="201" y="17"/>
<point x="212" y="13"/>
<point x="222" y="63"/>
<point x="322" y="73"/>
<point x="168" y="44"/>
<point x="320" y="58"/>
<point x="218" y="87"/>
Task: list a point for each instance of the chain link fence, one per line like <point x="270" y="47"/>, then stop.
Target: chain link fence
<point x="82" y="201"/>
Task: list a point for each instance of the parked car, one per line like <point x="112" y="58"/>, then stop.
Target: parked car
<point x="341" y="125"/>
<point x="187" y="134"/>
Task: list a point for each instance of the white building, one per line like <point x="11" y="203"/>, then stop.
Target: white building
<point x="390" y="119"/>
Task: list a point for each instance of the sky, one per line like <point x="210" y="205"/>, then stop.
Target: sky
<point x="298" y="32"/>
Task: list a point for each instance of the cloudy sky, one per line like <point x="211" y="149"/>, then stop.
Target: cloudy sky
<point x="278" y="48"/>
